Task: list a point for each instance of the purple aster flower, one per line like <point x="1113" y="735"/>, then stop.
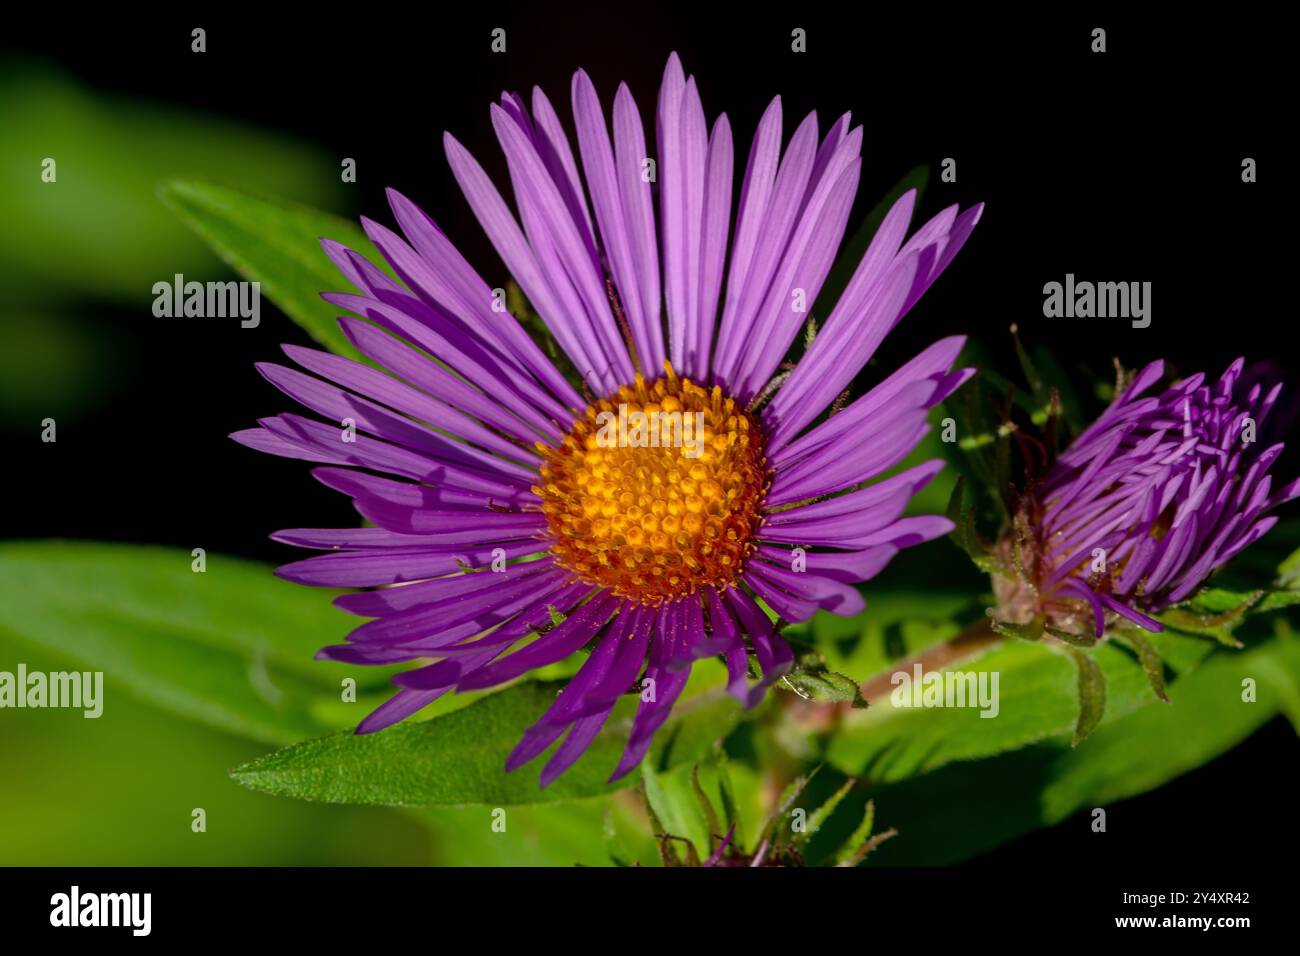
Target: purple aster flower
<point x="652" y="553"/>
<point x="1152" y="498"/>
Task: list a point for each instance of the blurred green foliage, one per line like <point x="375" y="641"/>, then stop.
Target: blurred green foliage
<point x="98" y="235"/>
<point x="99" y="230"/>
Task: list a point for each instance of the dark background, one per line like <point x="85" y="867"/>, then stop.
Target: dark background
<point x="1123" y="166"/>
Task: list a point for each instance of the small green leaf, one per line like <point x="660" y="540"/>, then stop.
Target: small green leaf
<point x="1092" y="694"/>
<point x="277" y="244"/>
<point x="812" y="681"/>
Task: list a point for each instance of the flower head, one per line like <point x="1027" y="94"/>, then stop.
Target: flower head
<point x="653" y="522"/>
<point x="1147" y="502"/>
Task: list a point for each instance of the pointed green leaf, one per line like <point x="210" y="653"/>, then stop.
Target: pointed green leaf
<point x="774" y="829"/>
<point x="823" y="686"/>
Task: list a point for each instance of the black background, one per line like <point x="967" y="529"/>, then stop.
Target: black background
<point x="1123" y="166"/>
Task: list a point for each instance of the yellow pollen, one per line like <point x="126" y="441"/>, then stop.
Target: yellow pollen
<point x="657" y="492"/>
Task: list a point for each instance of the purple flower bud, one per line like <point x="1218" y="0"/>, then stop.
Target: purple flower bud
<point x="1159" y="492"/>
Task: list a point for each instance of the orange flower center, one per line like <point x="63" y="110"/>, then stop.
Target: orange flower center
<point x="657" y="491"/>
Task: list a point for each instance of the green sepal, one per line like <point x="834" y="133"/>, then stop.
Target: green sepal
<point x="964" y="533"/>
<point x="1092" y="694"/>
<point x="1152" y="663"/>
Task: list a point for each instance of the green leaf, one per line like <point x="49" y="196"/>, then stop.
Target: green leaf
<point x="969" y="808"/>
<point x="105" y="792"/>
<point x="231" y="647"/>
<point x="825" y="687"/>
<point x="277" y="244"/>
<point x="459" y="758"/>
<point x="1037" y="699"/>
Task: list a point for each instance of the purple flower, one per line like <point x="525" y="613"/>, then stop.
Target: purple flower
<point x="652" y="553"/>
<point x="1151" y="499"/>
